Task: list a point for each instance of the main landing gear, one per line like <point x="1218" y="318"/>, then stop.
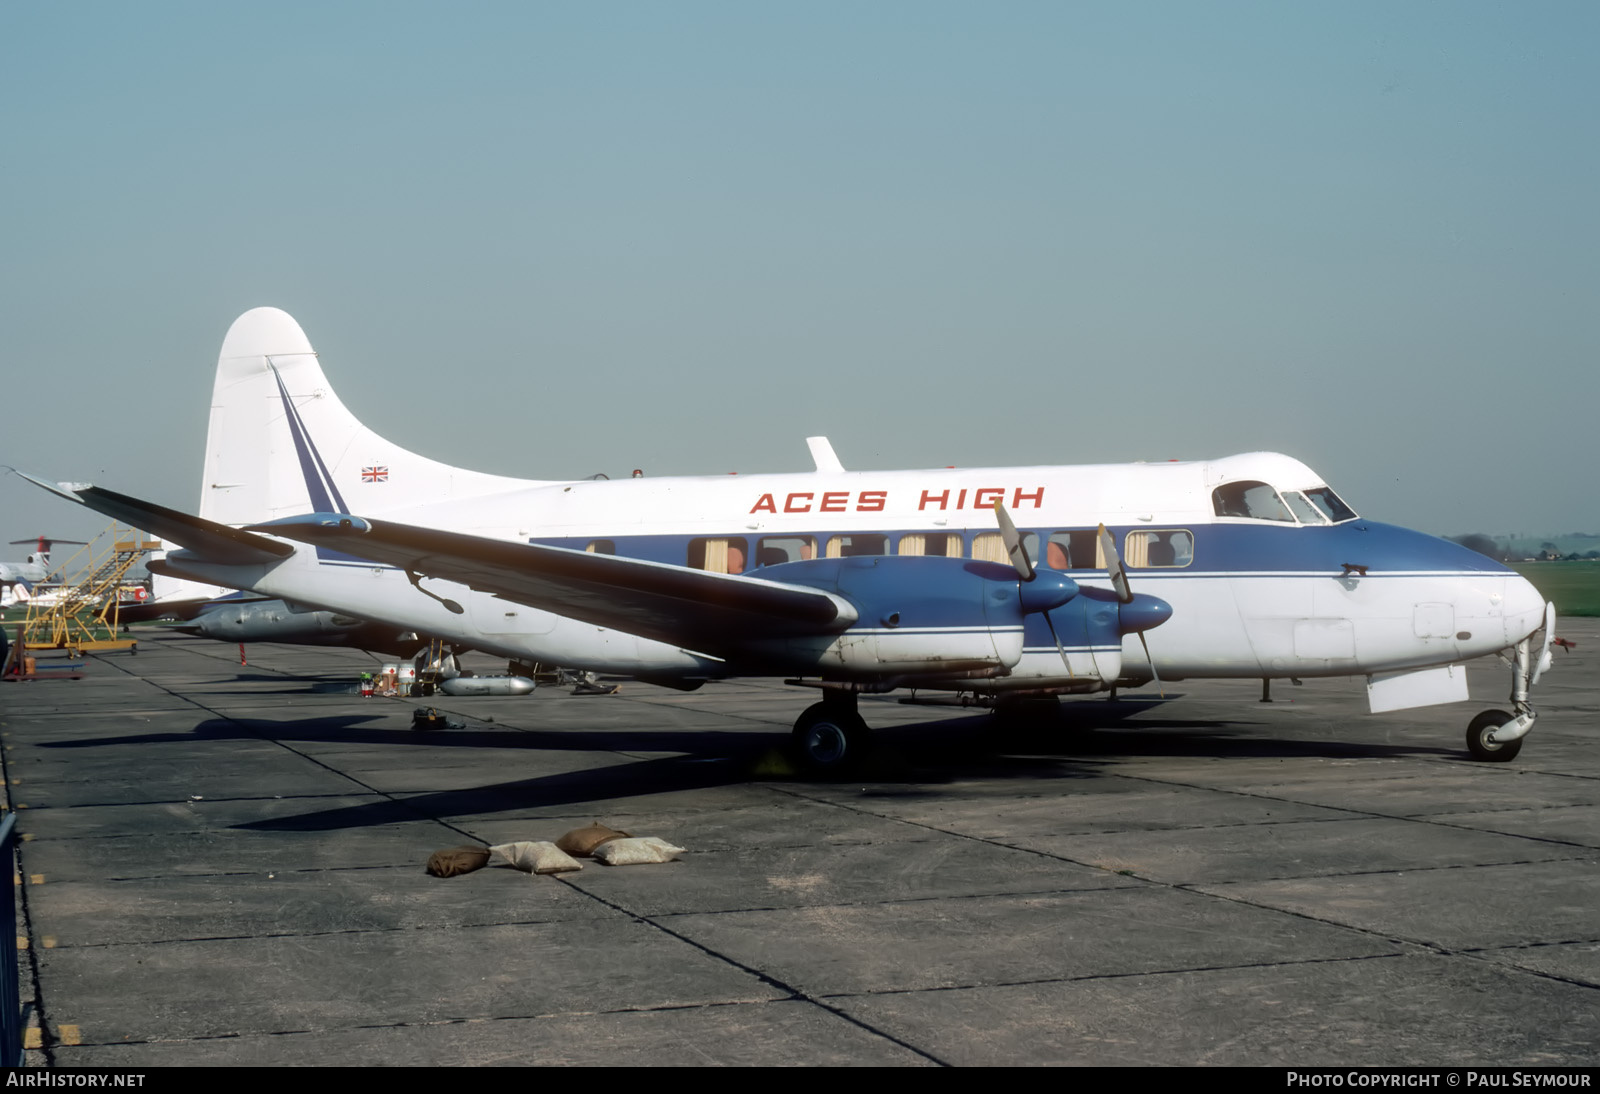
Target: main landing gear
<point x="831" y="737"/>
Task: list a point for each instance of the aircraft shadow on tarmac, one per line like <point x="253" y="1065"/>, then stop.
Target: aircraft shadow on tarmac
<point x="356" y="729"/>
<point x="304" y="684"/>
<point x="923" y="758"/>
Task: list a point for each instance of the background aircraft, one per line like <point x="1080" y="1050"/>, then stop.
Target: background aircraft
<point x="37" y="567"/>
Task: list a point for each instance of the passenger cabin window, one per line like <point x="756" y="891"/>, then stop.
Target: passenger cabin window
<point x="776" y="550"/>
<point x="719" y="556"/>
<point x="850" y="546"/>
<point x="601" y="547"/>
<point x="945" y="544"/>
<point x="1074" y="550"/>
<point x="1254" y="500"/>
<point x="990" y="547"/>
<point x="1158" y="548"/>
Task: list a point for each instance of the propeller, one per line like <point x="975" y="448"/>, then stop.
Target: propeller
<point x="1119" y="582"/>
<point x="1018" y="552"/>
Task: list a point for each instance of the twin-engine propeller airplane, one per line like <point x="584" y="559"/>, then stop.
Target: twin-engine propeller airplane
<point x="1001" y="582"/>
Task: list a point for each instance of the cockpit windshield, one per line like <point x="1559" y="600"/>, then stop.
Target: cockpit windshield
<point x="1254" y="500"/>
<point x="1303" y="509"/>
<point x="1331" y="504"/>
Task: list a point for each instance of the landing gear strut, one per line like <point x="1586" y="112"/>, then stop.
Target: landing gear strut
<point x="830" y="736"/>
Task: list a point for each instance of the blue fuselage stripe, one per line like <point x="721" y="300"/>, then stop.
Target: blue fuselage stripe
<point x="1223" y="549"/>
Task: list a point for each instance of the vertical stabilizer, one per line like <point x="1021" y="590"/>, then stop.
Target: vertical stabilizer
<point x="281" y="443"/>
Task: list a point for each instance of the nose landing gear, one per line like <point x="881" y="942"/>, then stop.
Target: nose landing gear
<point x="1496" y="735"/>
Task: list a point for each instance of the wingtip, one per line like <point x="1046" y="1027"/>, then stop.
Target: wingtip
<point x="68" y="490"/>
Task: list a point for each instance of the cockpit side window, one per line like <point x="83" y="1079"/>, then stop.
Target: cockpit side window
<point x="1331" y="504"/>
<point x="1254" y="500"/>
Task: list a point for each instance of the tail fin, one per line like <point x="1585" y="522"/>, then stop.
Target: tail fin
<point x="281" y="443"/>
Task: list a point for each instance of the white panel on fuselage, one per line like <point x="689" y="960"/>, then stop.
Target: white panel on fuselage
<point x="1404" y="690"/>
<point x="1434" y="620"/>
<point x="1271" y="606"/>
<point x="1325" y="640"/>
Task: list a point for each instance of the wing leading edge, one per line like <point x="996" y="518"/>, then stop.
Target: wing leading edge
<point x="216" y="542"/>
<point x="714" y="613"/>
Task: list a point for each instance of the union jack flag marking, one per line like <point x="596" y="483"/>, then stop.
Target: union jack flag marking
<point x="374" y="474"/>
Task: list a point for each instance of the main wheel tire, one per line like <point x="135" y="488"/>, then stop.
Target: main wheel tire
<point x="829" y="739"/>
<point x="1481" y="747"/>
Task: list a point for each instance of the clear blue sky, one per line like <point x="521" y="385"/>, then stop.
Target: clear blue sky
<point x="554" y="239"/>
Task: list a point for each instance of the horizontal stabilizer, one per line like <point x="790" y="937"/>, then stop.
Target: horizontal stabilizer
<point x="215" y="542"/>
<point x="693" y="608"/>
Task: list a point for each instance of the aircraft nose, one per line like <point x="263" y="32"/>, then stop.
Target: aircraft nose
<point x="1524" y="608"/>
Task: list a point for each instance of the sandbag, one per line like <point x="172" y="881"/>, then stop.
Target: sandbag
<point x="536" y="857"/>
<point x="457" y="860"/>
<point x="633" y="852"/>
<point x="582" y="841"/>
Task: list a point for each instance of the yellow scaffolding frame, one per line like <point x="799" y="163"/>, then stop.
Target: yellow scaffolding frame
<point x="83" y="614"/>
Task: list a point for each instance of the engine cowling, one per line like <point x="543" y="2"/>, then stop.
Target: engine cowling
<point x="919" y="615"/>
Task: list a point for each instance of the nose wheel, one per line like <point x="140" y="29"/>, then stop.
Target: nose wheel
<point x="830" y="737"/>
<point x="1481" y="732"/>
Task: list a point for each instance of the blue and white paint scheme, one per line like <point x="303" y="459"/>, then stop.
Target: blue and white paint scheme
<point x="1001" y="582"/>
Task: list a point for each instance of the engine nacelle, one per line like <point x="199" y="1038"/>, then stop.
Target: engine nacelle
<point x="918" y="616"/>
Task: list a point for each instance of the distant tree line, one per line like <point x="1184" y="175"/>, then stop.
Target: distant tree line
<point x="1486" y="545"/>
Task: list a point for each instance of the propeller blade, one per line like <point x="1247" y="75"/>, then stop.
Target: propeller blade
<point x="1013" y="542"/>
<point x="1061" y="585"/>
<point x="1059" y="648"/>
<point x="1119" y="582"/>
<point x="1119" y="575"/>
<point x="1153" y="674"/>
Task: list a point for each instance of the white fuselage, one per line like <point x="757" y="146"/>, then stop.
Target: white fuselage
<point x="1253" y="598"/>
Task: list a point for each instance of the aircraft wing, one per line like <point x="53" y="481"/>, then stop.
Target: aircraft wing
<point x="217" y="542"/>
<point x="704" y="611"/>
